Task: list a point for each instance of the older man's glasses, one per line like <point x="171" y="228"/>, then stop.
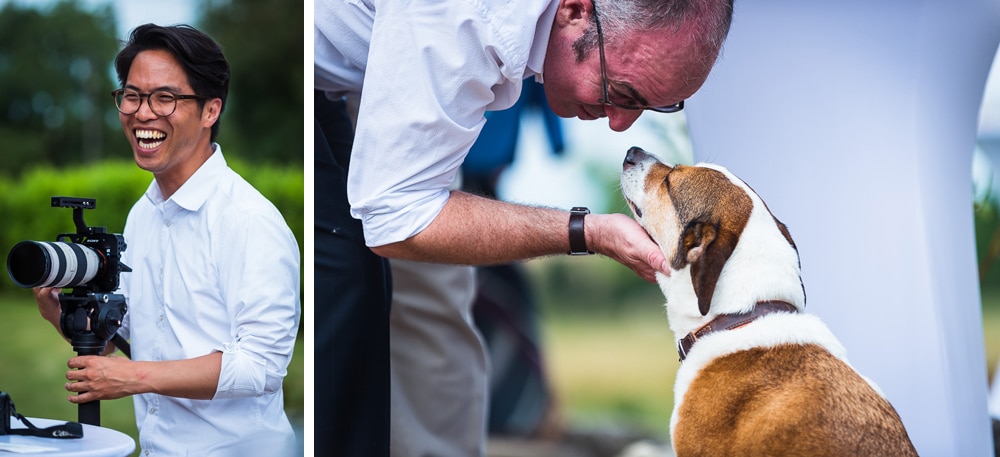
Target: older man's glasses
<point x="162" y="103"/>
<point x="605" y="99"/>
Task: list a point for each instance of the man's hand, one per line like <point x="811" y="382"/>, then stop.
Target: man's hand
<point x="621" y="238"/>
<point x="100" y="378"/>
<point x="108" y="378"/>
<point x="48" y="304"/>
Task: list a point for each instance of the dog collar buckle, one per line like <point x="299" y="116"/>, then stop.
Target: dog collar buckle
<point x="682" y="349"/>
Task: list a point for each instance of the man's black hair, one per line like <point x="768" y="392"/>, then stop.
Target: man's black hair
<point x="201" y="57"/>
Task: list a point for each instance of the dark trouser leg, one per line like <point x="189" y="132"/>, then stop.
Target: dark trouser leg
<point x="352" y="295"/>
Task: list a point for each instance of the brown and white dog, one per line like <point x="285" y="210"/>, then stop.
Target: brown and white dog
<point x="759" y="377"/>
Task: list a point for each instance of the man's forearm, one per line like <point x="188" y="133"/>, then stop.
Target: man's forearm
<point x="195" y="378"/>
<point x="472" y="230"/>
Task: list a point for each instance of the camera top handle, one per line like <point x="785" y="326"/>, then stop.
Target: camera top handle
<point x="78" y="204"/>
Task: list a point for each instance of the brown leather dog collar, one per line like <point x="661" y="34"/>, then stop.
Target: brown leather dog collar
<point x="731" y="321"/>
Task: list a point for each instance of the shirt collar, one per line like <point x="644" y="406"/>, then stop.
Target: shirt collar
<point x="543" y="28"/>
<point x="196" y="190"/>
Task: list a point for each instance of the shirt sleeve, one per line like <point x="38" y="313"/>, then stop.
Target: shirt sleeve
<point x="433" y="70"/>
<point x="259" y="277"/>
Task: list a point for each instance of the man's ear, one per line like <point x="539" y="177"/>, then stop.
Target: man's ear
<point x="211" y="112"/>
<point x="707" y="249"/>
<point x="574" y="12"/>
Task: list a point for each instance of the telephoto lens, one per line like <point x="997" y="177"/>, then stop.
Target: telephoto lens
<point x="52" y="264"/>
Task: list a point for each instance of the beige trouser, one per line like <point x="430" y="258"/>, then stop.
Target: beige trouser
<point x="438" y="363"/>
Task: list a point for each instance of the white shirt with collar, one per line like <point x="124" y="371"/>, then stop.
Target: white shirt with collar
<point x="215" y="268"/>
<point x="430" y="70"/>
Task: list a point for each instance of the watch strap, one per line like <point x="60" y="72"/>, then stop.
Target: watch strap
<point x="577" y="238"/>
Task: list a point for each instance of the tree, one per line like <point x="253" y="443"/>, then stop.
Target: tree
<point x="262" y="40"/>
<point x="55" y="84"/>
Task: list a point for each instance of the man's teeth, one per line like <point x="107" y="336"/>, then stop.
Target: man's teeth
<point x="150" y="138"/>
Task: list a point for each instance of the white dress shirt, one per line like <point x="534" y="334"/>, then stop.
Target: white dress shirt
<point x="214" y="269"/>
<point x="430" y="70"/>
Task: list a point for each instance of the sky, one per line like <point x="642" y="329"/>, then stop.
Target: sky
<point x="132" y="13"/>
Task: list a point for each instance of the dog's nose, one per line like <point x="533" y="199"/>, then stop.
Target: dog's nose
<point x="633" y="156"/>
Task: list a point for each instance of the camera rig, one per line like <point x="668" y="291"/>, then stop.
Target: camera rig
<point x="92" y="313"/>
<point x="89" y="261"/>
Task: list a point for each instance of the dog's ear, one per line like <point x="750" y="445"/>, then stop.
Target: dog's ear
<point x="713" y="210"/>
<point x="706" y="248"/>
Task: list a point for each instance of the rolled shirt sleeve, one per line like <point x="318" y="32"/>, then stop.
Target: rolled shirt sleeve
<point x="245" y="374"/>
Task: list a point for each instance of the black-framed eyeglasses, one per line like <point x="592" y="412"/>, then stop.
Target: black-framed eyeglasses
<point x="163" y="103"/>
<point x="606" y="99"/>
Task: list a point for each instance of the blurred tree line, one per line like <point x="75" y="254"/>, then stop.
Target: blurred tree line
<point x="55" y="105"/>
<point x="263" y="41"/>
<point x="56" y="77"/>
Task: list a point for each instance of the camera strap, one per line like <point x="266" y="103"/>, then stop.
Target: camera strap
<point x="68" y="430"/>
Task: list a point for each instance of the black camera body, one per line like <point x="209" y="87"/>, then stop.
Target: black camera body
<point x="88" y="260"/>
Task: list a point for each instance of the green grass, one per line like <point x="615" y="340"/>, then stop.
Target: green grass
<point x="991" y="327"/>
<point x="607" y="345"/>
<point x="33" y="370"/>
<point x="613" y="372"/>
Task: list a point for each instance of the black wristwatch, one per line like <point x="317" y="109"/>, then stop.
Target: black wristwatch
<point x="577" y="239"/>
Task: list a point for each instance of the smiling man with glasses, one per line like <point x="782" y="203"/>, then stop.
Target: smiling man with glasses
<point x="382" y="187"/>
<point x="213" y="295"/>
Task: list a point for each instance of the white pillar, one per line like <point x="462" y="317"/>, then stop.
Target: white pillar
<point x="856" y="121"/>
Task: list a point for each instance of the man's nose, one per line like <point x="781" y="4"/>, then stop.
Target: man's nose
<point x="621" y="119"/>
<point x="145" y="111"/>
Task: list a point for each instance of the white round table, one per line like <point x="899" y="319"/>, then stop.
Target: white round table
<point x="96" y="442"/>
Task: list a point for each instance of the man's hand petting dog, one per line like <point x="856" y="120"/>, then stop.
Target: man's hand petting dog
<point x="635" y="249"/>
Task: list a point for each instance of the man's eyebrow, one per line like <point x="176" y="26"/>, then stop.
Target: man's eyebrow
<point x="173" y="89"/>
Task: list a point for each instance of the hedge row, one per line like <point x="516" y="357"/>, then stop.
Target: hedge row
<point x="26" y="212"/>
